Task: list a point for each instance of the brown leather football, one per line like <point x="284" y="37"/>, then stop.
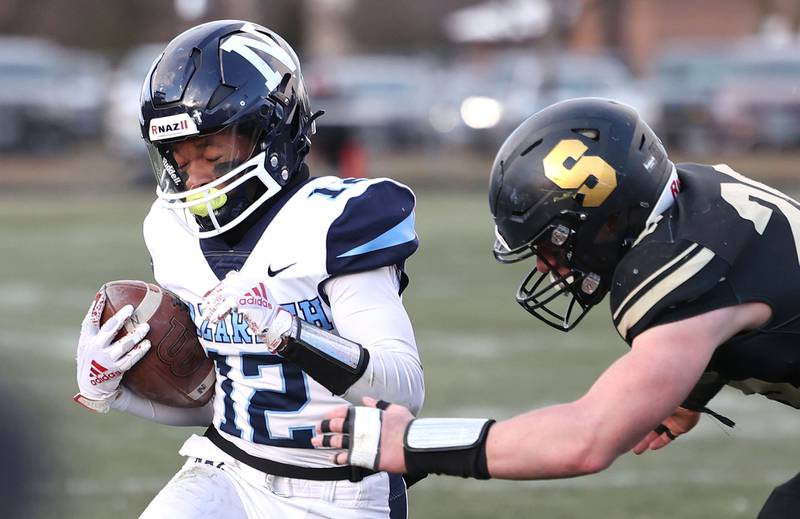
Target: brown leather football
<point x="176" y="371"/>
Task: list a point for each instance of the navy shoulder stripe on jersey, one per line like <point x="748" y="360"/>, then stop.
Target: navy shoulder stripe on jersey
<point x="375" y="229"/>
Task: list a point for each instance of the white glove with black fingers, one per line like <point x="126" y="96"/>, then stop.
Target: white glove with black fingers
<point x="101" y="360"/>
<point x="252" y="300"/>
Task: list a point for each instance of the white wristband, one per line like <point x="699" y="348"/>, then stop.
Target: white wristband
<point x="365" y="436"/>
<point x="443" y="433"/>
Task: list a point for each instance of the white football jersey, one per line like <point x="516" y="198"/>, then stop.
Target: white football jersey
<point x="326" y="227"/>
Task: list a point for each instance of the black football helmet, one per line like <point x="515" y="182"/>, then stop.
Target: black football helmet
<point x="240" y="83"/>
<point x="574" y="185"/>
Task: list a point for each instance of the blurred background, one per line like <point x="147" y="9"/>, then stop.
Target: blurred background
<point x="406" y="83"/>
<point x="420" y="91"/>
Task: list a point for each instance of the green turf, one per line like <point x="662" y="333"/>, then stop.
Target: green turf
<point x="482" y="354"/>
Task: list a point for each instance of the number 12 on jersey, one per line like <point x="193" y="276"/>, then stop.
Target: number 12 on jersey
<point x="289" y="400"/>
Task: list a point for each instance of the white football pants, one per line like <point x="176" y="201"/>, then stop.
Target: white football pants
<point x="204" y="489"/>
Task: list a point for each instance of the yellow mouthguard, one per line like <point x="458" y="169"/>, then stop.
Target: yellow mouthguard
<point x="202" y="209"/>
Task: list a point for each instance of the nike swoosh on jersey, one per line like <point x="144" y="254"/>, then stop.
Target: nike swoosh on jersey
<point x="272" y="273"/>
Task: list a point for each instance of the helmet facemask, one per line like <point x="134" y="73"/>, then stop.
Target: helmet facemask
<point x="228" y="168"/>
<point x="561" y="294"/>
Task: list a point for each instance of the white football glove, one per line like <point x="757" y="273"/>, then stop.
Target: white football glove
<point x="101" y="360"/>
<point x="251" y="299"/>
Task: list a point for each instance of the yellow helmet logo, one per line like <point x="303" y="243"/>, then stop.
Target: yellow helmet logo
<point x="579" y="172"/>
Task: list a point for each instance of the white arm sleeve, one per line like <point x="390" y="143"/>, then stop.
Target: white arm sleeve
<point x="130" y="402"/>
<point x="367" y="309"/>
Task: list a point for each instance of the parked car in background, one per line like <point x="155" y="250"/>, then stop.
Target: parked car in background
<point x="480" y="97"/>
<point x="687" y="79"/>
<point x="370" y="102"/>
<point x="381" y="97"/>
<point x="83" y="81"/>
<point x="758" y="106"/>
<point x="482" y="100"/>
<point x="569" y="75"/>
<point x="737" y="95"/>
<point x="121" y="133"/>
<point x="49" y="95"/>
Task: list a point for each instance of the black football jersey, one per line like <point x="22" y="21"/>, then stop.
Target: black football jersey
<point x="727" y="240"/>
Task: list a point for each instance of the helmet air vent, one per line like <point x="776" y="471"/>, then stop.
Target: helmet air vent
<point x="172" y="75"/>
<point x="219" y="95"/>
<point x="589" y="133"/>
<point x="530" y="148"/>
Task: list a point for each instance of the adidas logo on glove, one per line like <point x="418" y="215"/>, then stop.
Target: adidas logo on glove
<point x="254" y="297"/>
<point x="254" y="301"/>
<point x="105" y="377"/>
<point x="99" y="373"/>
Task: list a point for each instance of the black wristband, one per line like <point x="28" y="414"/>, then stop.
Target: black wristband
<point x="467" y="461"/>
<point x="328" y="371"/>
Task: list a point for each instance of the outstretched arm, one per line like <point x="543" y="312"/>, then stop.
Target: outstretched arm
<point x="627" y="402"/>
<point x="629" y="399"/>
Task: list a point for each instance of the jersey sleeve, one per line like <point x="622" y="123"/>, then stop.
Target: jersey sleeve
<point x="374" y="230"/>
<point x="394" y="372"/>
<point x="663" y="282"/>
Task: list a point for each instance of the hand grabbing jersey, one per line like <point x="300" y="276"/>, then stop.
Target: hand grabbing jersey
<point x="250" y="298"/>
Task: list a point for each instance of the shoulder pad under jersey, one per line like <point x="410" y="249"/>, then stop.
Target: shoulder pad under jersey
<point x="656" y="277"/>
<point x="374" y="229"/>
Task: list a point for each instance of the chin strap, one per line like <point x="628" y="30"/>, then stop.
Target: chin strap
<point x="316" y="115"/>
<point x="724" y="420"/>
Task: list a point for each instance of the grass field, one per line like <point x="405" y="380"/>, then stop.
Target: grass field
<point x="482" y="354"/>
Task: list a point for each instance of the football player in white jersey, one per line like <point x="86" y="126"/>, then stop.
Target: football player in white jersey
<point x="294" y="284"/>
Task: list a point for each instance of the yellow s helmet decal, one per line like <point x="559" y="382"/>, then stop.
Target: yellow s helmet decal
<point x="579" y="172"/>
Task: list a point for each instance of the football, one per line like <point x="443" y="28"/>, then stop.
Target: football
<point x="176" y="371"/>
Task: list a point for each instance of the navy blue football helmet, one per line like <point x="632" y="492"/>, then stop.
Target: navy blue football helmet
<point x="234" y="91"/>
<point x="574" y="185"/>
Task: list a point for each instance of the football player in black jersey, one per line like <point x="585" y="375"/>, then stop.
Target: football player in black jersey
<point x="586" y="188"/>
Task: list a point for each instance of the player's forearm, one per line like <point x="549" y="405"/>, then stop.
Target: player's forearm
<point x="392" y="376"/>
<point x="133" y="404"/>
<point x="627" y="401"/>
<point x="554" y="442"/>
